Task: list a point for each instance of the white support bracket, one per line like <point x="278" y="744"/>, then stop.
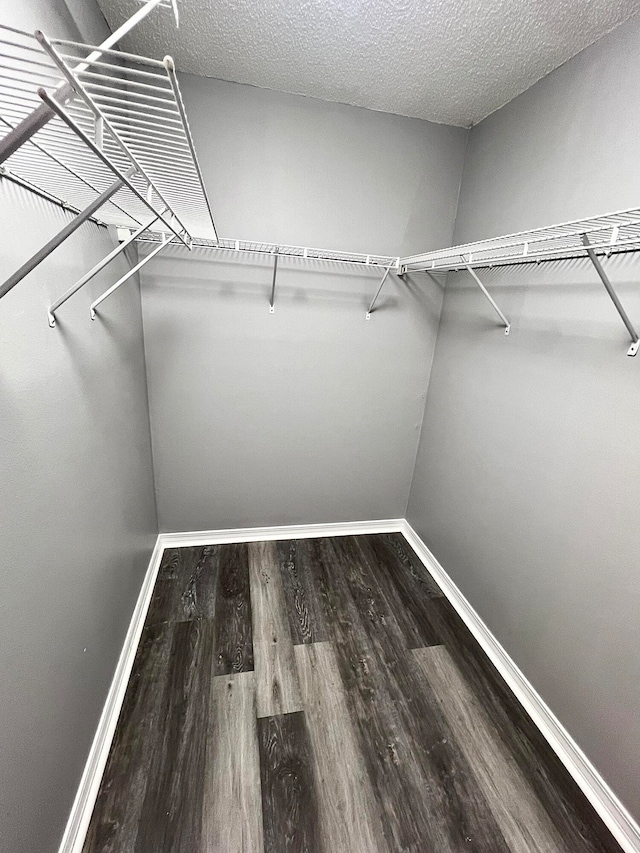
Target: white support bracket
<point x="635" y="341"/>
<point x="272" y="298"/>
<point x="126" y="241"/>
<point x="165" y="240"/>
<point x="507" y="324"/>
<point x="380" y="286"/>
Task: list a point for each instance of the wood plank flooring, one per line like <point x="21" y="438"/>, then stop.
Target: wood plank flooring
<point x="277" y="689"/>
<point x="232" y="808"/>
<point x="322" y="696"/>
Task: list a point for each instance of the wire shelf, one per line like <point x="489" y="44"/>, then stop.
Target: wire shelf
<point x="129" y="106"/>
<point x="226" y="244"/>
<point x="613" y="232"/>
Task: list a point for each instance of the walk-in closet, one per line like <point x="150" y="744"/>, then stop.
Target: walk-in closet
<point x="319" y="397"/>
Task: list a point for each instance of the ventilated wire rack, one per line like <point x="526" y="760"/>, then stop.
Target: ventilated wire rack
<point x="613" y="232"/>
<point x="225" y="244"/>
<point x="73" y="117"/>
<point x="127" y="108"/>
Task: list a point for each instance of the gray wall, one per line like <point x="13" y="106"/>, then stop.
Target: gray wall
<point x="526" y="478"/>
<point x="311" y="414"/>
<point x="78" y="512"/>
<point x="290" y="169"/>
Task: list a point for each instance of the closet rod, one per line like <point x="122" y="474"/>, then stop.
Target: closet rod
<point x="43" y="113"/>
<point x="62" y="235"/>
<point x="48" y="153"/>
<point x="27" y="185"/>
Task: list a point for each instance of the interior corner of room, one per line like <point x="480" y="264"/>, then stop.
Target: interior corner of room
<point x="385" y="322"/>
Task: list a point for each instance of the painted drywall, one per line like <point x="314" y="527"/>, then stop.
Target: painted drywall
<point x="525" y="482"/>
<point x="566" y="148"/>
<point x="289" y="169"/>
<point x="312" y="413"/>
<point x="78" y="512"/>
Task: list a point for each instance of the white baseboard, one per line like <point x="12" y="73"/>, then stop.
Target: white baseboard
<point x="613" y="813"/>
<point x="78" y="823"/>
<point x="291" y="531"/>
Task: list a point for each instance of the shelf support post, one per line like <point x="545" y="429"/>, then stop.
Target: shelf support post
<point x="272" y="298"/>
<point x="165" y="240"/>
<point x="507" y="324"/>
<point x="95" y="270"/>
<point x="62" y="235"/>
<point x="380" y="286"/>
<point x="635" y="345"/>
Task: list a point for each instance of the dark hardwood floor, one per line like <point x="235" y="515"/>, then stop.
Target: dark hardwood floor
<point x="322" y="696"/>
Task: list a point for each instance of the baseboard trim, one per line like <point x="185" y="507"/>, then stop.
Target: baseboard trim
<point x="613" y="813"/>
<point x="291" y="531"/>
<point x="78" y="823"/>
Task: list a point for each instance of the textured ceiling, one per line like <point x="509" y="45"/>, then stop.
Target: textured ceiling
<point x="451" y="61"/>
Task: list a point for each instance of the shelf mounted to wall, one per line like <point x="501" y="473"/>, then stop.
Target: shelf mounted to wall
<point x="77" y="117"/>
<point x="635" y="343"/>
<point x="506" y="323"/>
<point x="598" y="235"/>
<point x="272" y="298"/>
<point x="230" y="247"/>
<point x="395" y="263"/>
<point x="104" y="133"/>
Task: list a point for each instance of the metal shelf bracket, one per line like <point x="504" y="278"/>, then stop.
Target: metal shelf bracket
<point x="507" y="324"/>
<point x="51" y="314"/>
<point x="272" y="298"/>
<point x="380" y="286"/>
<point x="635" y="341"/>
<point x="165" y="240"/>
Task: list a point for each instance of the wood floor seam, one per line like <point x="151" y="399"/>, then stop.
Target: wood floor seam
<point x="323" y="696"/>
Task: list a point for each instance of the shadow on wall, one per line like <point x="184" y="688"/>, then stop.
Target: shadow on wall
<point x="296" y="280"/>
<point x="565" y="298"/>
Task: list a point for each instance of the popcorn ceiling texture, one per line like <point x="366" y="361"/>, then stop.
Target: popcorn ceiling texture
<point x="450" y="61"/>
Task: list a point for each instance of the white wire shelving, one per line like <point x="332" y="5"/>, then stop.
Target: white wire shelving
<point x="128" y="106"/>
<point x="613" y="232"/>
<point x="105" y="134"/>
<point x="230" y="247"/>
<point x="591" y="237"/>
<point x="226" y="244"/>
<point x="102" y="132"/>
